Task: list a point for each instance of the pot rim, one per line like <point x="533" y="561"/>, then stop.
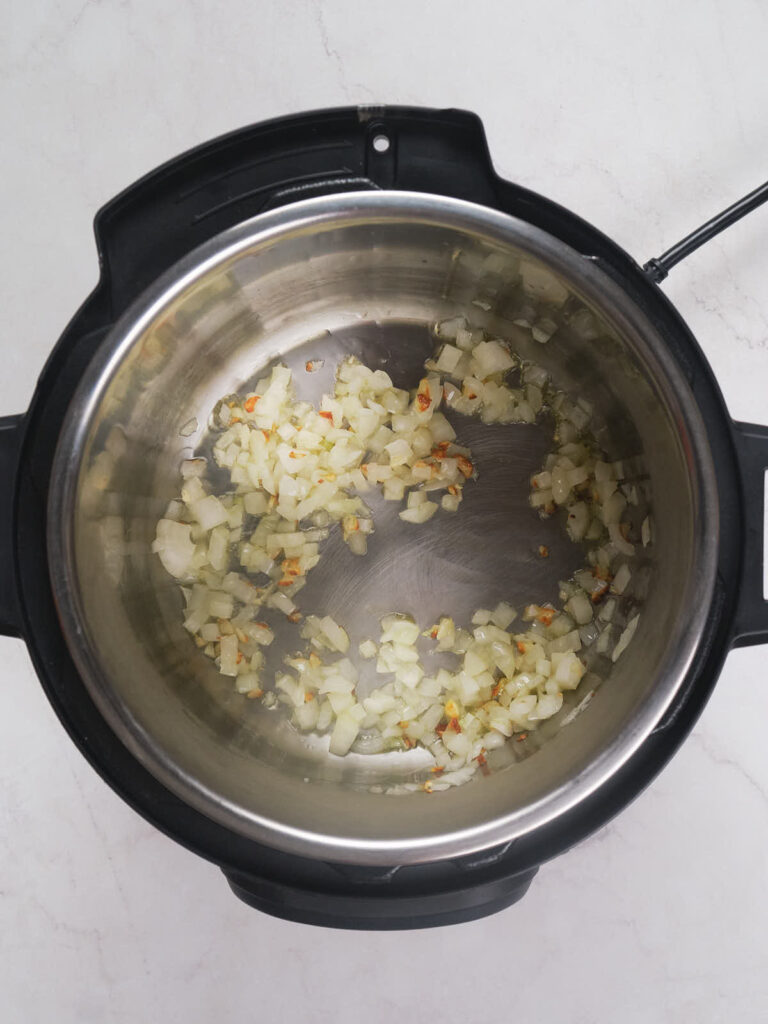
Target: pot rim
<point x="593" y="284"/>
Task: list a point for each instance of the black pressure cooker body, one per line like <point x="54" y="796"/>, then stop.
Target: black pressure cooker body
<point x="142" y="233"/>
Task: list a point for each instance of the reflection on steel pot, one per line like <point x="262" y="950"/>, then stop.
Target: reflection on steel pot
<point x="301" y="240"/>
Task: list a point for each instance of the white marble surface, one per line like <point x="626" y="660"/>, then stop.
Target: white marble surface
<point x="645" y="118"/>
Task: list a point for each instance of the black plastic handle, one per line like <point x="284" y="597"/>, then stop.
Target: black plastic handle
<point x="10" y="443"/>
<point x="182" y="204"/>
<point x="751" y="620"/>
<point x="375" y="907"/>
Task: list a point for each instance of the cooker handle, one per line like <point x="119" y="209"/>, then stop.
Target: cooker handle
<point x="751" y="621"/>
<point x="10" y="443"/>
<point x="366" y="901"/>
<point x="159" y="219"/>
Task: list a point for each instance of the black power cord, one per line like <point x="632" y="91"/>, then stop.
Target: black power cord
<point x="658" y="268"/>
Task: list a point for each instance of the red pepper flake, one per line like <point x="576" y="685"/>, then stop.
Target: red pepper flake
<point x="520" y="646"/>
<point x="440" y="729"/>
<point x="436" y="769"/>
<point x="497" y="688"/>
<point x="285" y="582"/>
<point x="543" y="550"/>
<point x="424" y="402"/>
<point x="296" y="455"/>
<point x="308" y="697"/>
<point x="364" y="469"/>
<point x="266" y="434"/>
<point x="253" y="694"/>
<point x="454" y="724"/>
<point x="235" y="419"/>
<point x="521" y="737"/>
<point x="433" y="632"/>
<point x="290" y="567"/>
<point x="598" y="594"/>
<point x="481" y="758"/>
<point x="295" y="617"/>
<point x="250" y="403"/>
<point x="326" y="415"/>
<point x="465" y="466"/>
<point x="601" y="574"/>
<point x="535" y="486"/>
<point x="545" y="616"/>
<point x="239" y="657"/>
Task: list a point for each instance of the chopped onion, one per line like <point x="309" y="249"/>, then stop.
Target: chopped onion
<point x="420" y="513"/>
<point x="625" y="638"/>
<point x="174" y="545"/>
<point x="502" y="615"/>
<point x="621" y="579"/>
<point x="296" y="470"/>
<point x="645" y="531"/>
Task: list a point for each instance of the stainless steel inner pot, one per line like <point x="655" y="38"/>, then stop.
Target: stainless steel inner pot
<point x="370" y="274"/>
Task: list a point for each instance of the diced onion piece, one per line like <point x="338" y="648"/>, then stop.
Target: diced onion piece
<point x="568" y="670"/>
<point x="337" y="637"/>
<point x="580" y="608"/>
<point x="547" y="705"/>
<point x="368" y="649"/>
<point x="449" y="328"/>
<point x="645" y="531"/>
<point x="502" y="615"/>
<point x="448" y="358"/>
<point x="541" y="283"/>
<point x="175" y="547"/>
<point x="618" y="539"/>
<point x="193" y="467"/>
<point x="419" y="514"/>
<point x="344" y="733"/>
<point x="256" y="503"/>
<point x="209" y="512"/>
<point x="357" y="544"/>
<point x="491" y="357"/>
<point x="229" y="653"/>
<point x="625" y="638"/>
<point x="621" y="579"/>
<point x="399" y="629"/>
<point x="282" y="603"/>
<point x="543" y="330"/>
